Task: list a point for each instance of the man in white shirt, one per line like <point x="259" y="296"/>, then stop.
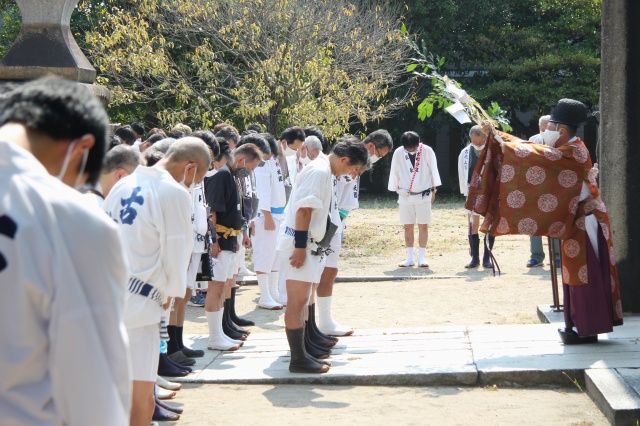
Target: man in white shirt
<point x="300" y="244"/>
<point x="535" y="242"/>
<point x="120" y="161"/>
<point x="63" y="357"/>
<point x="414" y="176"/>
<point x="153" y="209"/>
<point x="467" y="161"/>
<point x="272" y="199"/>
<point x="379" y="143"/>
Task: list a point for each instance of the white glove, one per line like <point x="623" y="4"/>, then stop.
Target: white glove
<point x="402" y="191"/>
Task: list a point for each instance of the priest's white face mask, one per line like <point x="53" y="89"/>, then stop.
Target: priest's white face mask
<point x="287" y="150"/>
<point x="550" y="137"/>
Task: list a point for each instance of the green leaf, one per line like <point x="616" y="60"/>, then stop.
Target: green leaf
<point x="403" y="29"/>
<point x="411" y="67"/>
<point x="441" y="62"/>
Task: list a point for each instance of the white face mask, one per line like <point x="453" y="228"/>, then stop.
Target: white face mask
<point x="184" y="178"/>
<point x="374" y="159"/>
<point x="479" y="148"/>
<point x="211" y="172"/>
<point x="550" y="137"/>
<point x="288" y="151"/>
<point x="65" y="165"/>
<point x="305" y="160"/>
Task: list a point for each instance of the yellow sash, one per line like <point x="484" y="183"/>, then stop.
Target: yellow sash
<point x="221" y="229"/>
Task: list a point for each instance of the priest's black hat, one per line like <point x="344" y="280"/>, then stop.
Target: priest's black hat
<point x="570" y="112"/>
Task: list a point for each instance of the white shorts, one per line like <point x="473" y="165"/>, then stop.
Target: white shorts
<point x="144" y="350"/>
<point x="226" y="267"/>
<point x="310" y="271"/>
<point x="470" y="212"/>
<point x="264" y="245"/>
<point x="192" y="271"/>
<point x="415" y="213"/>
<point x="336" y="245"/>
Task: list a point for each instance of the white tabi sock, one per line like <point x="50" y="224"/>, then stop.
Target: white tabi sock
<point x="266" y="301"/>
<point x="274" y="287"/>
<point x="409" y="261"/>
<point x="217" y="339"/>
<point x="422" y="255"/>
<point x="326" y="324"/>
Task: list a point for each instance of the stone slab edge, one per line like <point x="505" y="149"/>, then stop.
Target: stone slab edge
<point x="532" y="378"/>
<point x="613" y="396"/>
<point x="250" y="280"/>
<point x="469" y="378"/>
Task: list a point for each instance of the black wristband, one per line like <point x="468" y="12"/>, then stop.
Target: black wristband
<point x="301" y="239"/>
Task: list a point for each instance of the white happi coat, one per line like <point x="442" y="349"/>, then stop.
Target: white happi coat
<point x="154" y="214"/>
<point x="463" y="169"/>
<point x="199" y="218"/>
<point x="313" y="188"/>
<point x="63" y="352"/>
<point x="402" y="171"/>
<point x="270" y="185"/>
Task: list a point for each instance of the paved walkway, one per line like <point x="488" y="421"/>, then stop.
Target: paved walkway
<point x="526" y="355"/>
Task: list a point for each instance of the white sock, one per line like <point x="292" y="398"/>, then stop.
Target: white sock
<point x="274" y="287"/>
<point x="422" y="252"/>
<point x="217" y="339"/>
<point x="410" y="253"/>
<point x="266" y="301"/>
<point x="326" y="324"/>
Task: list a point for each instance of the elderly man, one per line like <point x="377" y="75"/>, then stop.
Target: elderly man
<point x="312" y="210"/>
<point x="63" y="357"/>
<point x="119" y="162"/>
<point x="552" y="190"/>
<point x="467" y="161"/>
<point x="537" y="251"/>
<point x="154" y="210"/>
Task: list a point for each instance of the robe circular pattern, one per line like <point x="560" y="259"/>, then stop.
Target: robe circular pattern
<point x="547" y="203"/>
<point x="515" y="199"/>
<point x="557" y="229"/>
<point x="527" y="226"/>
<point x="535" y="175"/>
<point x="567" y="178"/>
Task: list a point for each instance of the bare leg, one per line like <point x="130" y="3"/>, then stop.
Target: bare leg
<point x="408" y="236"/>
<point x="325" y="288"/>
<point x="298" y="293"/>
<point x="214" y="300"/>
<point x="423" y="235"/>
<point x="143" y="403"/>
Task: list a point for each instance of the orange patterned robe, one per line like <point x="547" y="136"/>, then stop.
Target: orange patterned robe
<point x="534" y="189"/>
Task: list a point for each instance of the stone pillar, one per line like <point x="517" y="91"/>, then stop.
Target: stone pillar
<point x="620" y="144"/>
<point x="46" y="46"/>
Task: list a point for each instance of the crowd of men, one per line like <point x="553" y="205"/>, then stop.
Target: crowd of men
<point x="104" y="235"/>
<point x="107" y="233"/>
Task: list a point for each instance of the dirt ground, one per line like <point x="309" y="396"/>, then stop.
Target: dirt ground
<point x="449" y="294"/>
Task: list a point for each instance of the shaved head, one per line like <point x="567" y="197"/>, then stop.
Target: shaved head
<point x="192" y="150"/>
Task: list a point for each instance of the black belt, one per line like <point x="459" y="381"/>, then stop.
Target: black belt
<point x="423" y="193"/>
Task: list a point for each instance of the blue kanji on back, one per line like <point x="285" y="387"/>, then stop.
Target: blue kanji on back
<point x="7" y="228"/>
<point x="128" y="214"/>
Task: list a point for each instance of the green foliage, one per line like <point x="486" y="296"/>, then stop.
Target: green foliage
<point x="330" y="62"/>
<point x="9" y="25"/>
<point x="442" y="88"/>
<point x="523" y="54"/>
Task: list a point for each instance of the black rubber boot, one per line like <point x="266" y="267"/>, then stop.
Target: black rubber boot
<point x="313" y="349"/>
<point x="474" y="248"/>
<point x="316" y="335"/>
<point x="232" y="312"/>
<point x="228" y="330"/>
<point x="486" y="257"/>
<point x="300" y="363"/>
<point x="226" y="316"/>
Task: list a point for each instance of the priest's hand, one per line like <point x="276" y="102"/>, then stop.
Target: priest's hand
<point x="433" y="196"/>
<point x="298" y="257"/>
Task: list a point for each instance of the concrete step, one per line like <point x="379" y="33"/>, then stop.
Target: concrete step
<point x="615" y="392"/>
